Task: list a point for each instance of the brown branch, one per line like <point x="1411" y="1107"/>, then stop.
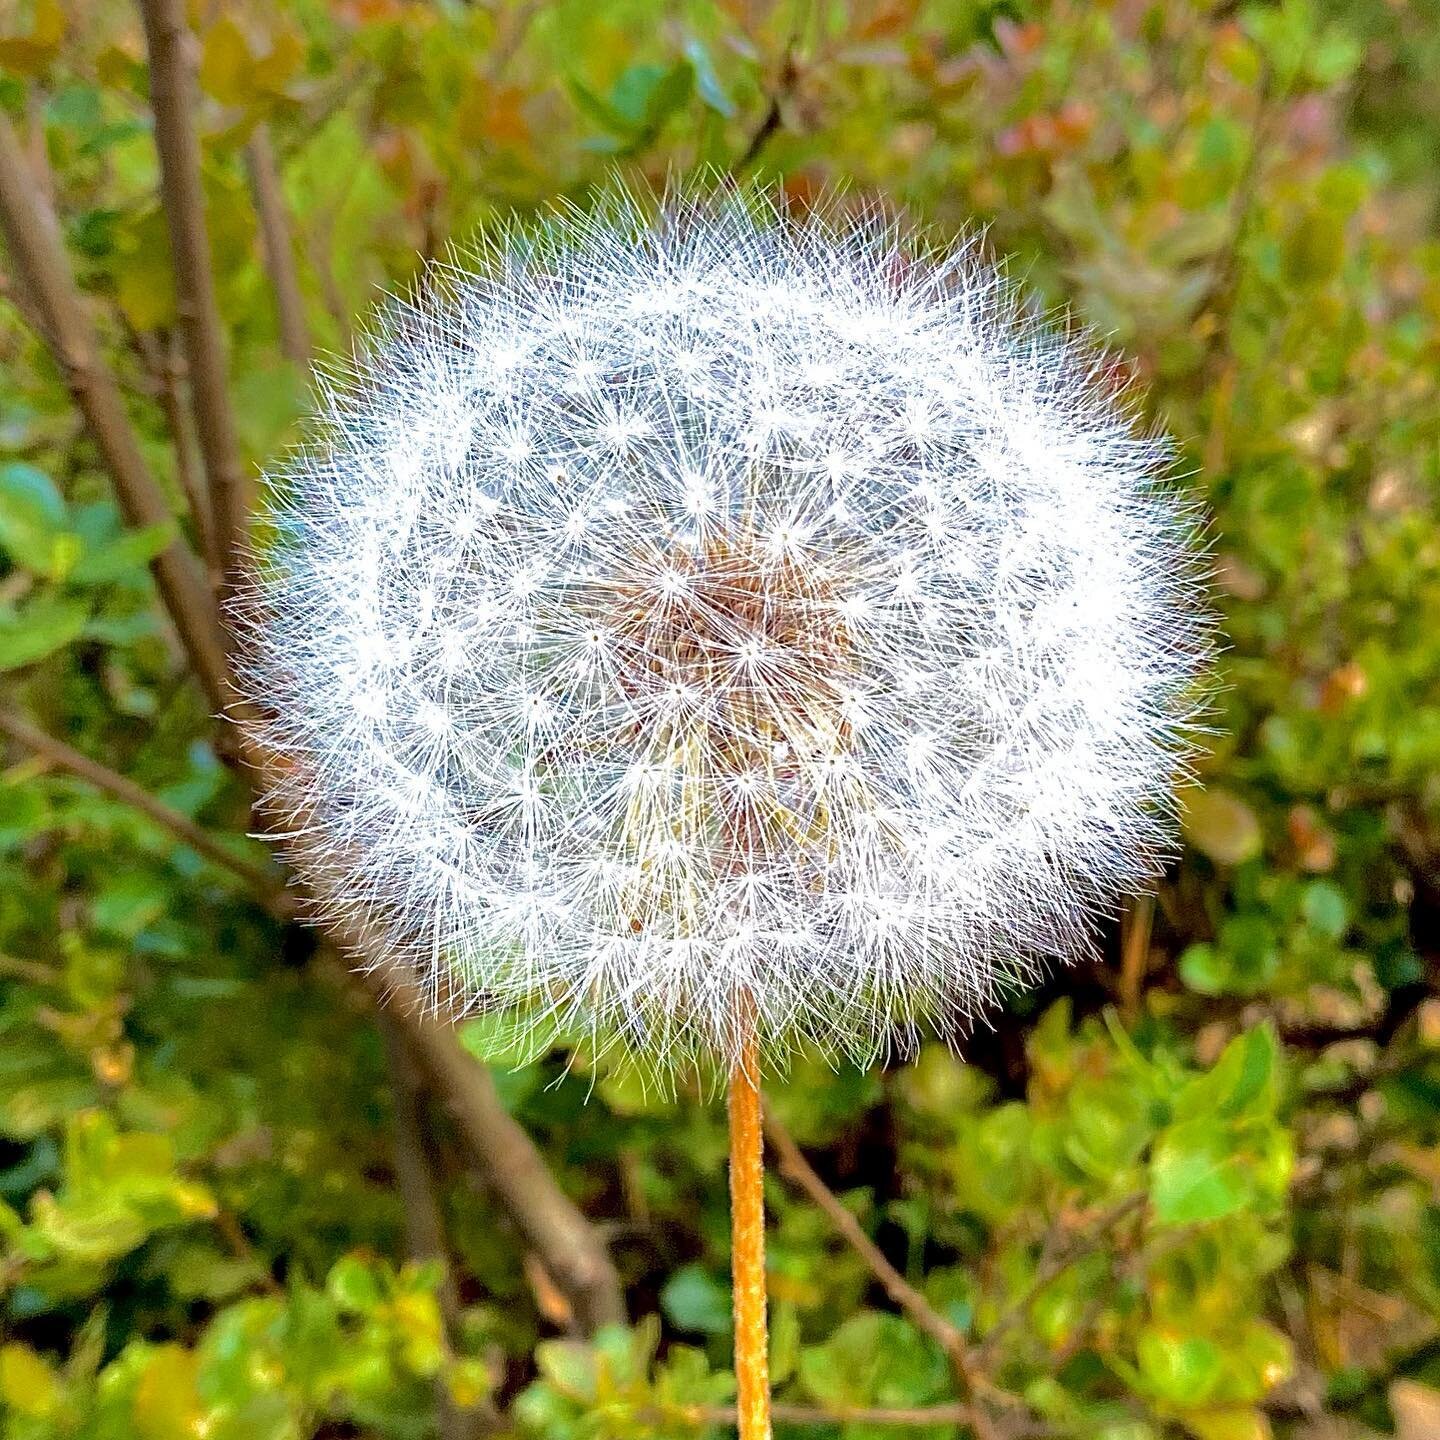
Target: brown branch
<point x="572" y="1249"/>
<point x="424" y="1233"/>
<point x="510" y="36"/>
<point x="165" y="367"/>
<point x="415" y="1180"/>
<point x="33" y="236"/>
<point x="39" y="152"/>
<point x="276" y="243"/>
<point x="920" y="1311"/>
<point x="64" y="757"/>
<point x="569" y="1243"/>
<point x="173" y="96"/>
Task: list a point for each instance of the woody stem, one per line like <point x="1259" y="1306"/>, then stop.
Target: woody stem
<point x="747" y="1230"/>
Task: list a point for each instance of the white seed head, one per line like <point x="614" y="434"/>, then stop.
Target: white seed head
<point x="690" y="615"/>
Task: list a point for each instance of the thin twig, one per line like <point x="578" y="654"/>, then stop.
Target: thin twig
<point x="1135" y="953"/>
<point x="65" y="757"/>
<point x="32" y="970"/>
<point x="233" y="1234"/>
<point x="33" y="236"/>
<point x="771" y="120"/>
<point x="173" y="96"/>
<point x="794" y="1165"/>
<point x="899" y="1416"/>
<point x="1057" y="1256"/>
<point x="277" y="245"/>
<point x="166" y="367"/>
<point x="785" y="82"/>
<point x="920" y="1311"/>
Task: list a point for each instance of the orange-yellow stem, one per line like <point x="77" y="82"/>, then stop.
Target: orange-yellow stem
<point x="747" y="1231"/>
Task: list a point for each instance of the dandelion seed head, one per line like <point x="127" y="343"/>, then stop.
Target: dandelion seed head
<point x="688" y="612"/>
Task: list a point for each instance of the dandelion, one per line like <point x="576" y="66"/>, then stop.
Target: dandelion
<point x="725" y="632"/>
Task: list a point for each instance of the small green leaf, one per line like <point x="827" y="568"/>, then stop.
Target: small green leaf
<point x="874" y="1359"/>
<point x="34" y="521"/>
<point x="28" y="1383"/>
<point x="1247" y="1068"/>
<point x="707" y="82"/>
<point x="1204" y="969"/>
<point x="226" y="63"/>
<point x="1325" y="909"/>
<point x="569" y="1366"/>
<point x="694" y="1300"/>
<point x="353" y="1284"/>
<point x="127" y="553"/>
<point x="49" y="623"/>
<point x="1182" y="1369"/>
<point x="1222" y="826"/>
<point x="1195" y="1174"/>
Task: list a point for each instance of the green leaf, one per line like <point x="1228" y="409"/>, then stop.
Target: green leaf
<point x="22" y="814"/>
<point x="1195" y="1174"/>
<point x="49" y="623"/>
<point x="694" y="1300"/>
<point x="643" y="97"/>
<point x="1242" y="961"/>
<point x="353" y="1284"/>
<point x="1182" y="1369"/>
<point x="569" y="1366"/>
<point x="28" y="1383"/>
<point x="707" y="82"/>
<point x="35" y="522"/>
<point x="226" y="63"/>
<point x="597" y="109"/>
<point x="167" y="1400"/>
<point x="1246" y="1071"/>
<point x="1221" y="826"/>
<point x="1325" y="909"/>
<point x="127" y="554"/>
<point x="1204" y="969"/>
<point x="874" y="1359"/>
<point x="1315" y="248"/>
<point x="647" y="95"/>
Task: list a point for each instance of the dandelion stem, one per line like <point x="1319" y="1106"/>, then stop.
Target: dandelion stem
<point x="747" y="1230"/>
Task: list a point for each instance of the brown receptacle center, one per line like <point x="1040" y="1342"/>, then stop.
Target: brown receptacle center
<point x="748" y="645"/>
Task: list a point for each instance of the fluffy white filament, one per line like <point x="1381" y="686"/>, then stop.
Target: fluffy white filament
<point x="693" y="614"/>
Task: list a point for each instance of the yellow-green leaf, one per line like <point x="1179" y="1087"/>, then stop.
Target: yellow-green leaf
<point x="1222" y="826"/>
<point x="27" y="1381"/>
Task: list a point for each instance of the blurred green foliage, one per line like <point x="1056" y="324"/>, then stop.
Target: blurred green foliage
<point x="1194" y="1192"/>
